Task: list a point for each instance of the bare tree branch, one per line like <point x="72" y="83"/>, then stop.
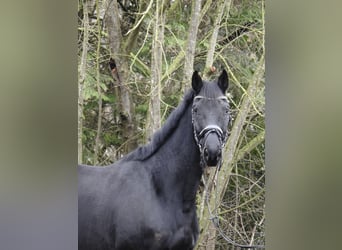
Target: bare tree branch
<point x="191" y="43"/>
<point x="221" y="6"/>
<point x="120" y="57"/>
<point x="154" y="119"/>
<point x="99" y="118"/>
<point x="82" y="75"/>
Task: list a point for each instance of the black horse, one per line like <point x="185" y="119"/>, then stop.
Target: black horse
<point x="146" y="200"/>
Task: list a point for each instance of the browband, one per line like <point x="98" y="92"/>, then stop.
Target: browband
<point x="217" y="98"/>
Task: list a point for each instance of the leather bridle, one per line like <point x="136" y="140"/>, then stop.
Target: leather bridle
<point x="202" y="136"/>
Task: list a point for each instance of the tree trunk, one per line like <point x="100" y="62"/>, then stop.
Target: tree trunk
<point x="154" y="119"/>
<point x="208" y="71"/>
<point x="221" y="5"/>
<point x="228" y="157"/>
<point x="119" y="55"/>
<point x="99" y="117"/>
<point x="191" y="44"/>
<point x="82" y="75"/>
<point x="178" y="61"/>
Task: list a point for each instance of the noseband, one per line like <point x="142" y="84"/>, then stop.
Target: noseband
<point x="202" y="136"/>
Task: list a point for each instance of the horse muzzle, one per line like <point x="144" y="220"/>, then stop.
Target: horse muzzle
<point x="212" y="152"/>
<point x="210" y="141"/>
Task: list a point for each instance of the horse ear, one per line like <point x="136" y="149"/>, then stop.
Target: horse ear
<point x="196" y="82"/>
<point x="223" y="81"/>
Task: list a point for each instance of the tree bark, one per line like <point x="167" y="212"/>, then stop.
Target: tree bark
<point x="99" y="117"/>
<point x="119" y="55"/>
<point x="221" y="5"/>
<point x="154" y="119"/>
<point x="82" y="75"/>
<point x="191" y="44"/>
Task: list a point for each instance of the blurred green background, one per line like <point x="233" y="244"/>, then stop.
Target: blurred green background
<point x="38" y="128"/>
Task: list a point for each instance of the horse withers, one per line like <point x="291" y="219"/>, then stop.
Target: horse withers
<point x="146" y="200"/>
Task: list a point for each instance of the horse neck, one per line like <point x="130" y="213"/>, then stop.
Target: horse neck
<point x="181" y="160"/>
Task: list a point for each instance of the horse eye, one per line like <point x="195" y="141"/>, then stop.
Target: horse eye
<point x="194" y="110"/>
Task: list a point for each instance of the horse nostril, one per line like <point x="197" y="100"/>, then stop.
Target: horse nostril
<point x="206" y="153"/>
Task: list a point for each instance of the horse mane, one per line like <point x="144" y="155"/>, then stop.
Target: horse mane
<point x="161" y="135"/>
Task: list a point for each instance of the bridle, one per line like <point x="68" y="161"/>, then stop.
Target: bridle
<point x="202" y="136"/>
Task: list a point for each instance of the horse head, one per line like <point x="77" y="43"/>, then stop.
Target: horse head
<point x="210" y="117"/>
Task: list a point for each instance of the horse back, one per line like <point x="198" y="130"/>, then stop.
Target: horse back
<point x="111" y="196"/>
<point x="119" y="208"/>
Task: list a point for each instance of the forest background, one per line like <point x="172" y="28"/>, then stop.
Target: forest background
<point x="136" y="59"/>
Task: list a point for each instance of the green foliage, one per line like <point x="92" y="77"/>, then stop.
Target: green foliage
<point x="90" y="87"/>
<point x="142" y="109"/>
<point x="111" y="138"/>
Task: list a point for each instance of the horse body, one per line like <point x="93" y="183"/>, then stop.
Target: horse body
<point x="143" y="204"/>
<point x="147" y="199"/>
